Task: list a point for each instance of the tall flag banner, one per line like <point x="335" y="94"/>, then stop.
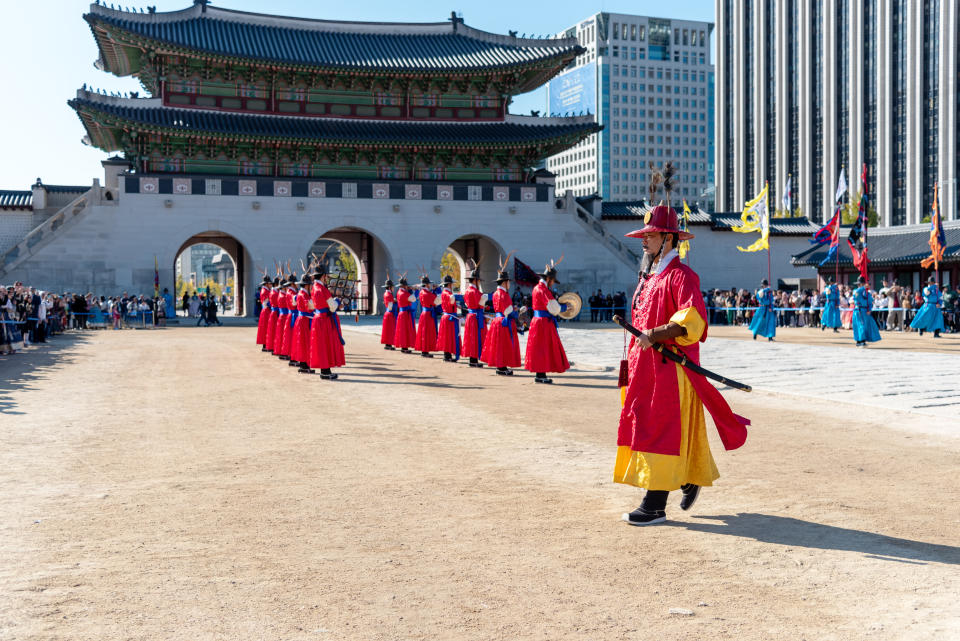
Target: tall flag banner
<point x="938" y="239"/>
<point x="829" y="233"/>
<point x="858" y="233"/>
<point x="786" y="202"/>
<point x="841" y="186"/>
<point x="684" y="247"/>
<point x="523" y="274"/>
<point x="156" y="277"/>
<point x="756" y="217"/>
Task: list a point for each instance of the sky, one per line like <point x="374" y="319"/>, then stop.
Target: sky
<point x="48" y="53"/>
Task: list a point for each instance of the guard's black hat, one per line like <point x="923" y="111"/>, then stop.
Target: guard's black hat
<point x="862" y="280"/>
<point x="403" y="280"/>
<point x="503" y="277"/>
<point x="931" y="279"/>
<point x="765" y="282"/>
<point x="388" y="283"/>
<point x="448" y="280"/>
<point x="267" y="280"/>
<point x="319" y="270"/>
<point x="425" y="280"/>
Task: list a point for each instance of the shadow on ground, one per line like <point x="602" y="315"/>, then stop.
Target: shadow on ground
<point x="798" y="533"/>
<point x="21" y="369"/>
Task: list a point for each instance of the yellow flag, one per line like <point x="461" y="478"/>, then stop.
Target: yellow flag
<point x="756" y="217"/>
<point x="684" y="247"/>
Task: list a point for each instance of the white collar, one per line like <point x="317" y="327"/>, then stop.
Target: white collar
<point x="543" y="282"/>
<point x="664" y="261"/>
<point x="501" y="287"/>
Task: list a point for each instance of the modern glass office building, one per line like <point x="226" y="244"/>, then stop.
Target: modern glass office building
<point x="806" y="87"/>
<point x="650" y="83"/>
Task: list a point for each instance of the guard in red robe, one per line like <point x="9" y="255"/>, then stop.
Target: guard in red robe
<point x="264" y="312"/>
<point x="291" y="302"/>
<point x="406" y="333"/>
<point x="501" y="349"/>
<point x="448" y="336"/>
<point x="545" y="352"/>
<point x="274" y="313"/>
<point x="475" y="325"/>
<point x="326" y="337"/>
<point x="389" y="316"/>
<point x="662" y="437"/>
<point x="426" y="341"/>
<point x="303" y="311"/>
<point x="283" y="319"/>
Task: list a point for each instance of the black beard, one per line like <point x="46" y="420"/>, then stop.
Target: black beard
<point x="646" y="263"/>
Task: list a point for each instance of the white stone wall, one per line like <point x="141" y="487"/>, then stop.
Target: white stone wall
<point x="112" y="248"/>
<point x="718" y="262"/>
<point x="14" y="225"/>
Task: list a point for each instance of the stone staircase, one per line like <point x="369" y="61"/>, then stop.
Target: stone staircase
<point x="43" y="233"/>
<point x="595" y="228"/>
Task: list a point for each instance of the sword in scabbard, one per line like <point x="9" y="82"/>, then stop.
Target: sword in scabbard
<point x="681" y="359"/>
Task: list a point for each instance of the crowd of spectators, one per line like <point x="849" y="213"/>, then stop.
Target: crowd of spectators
<point x="894" y="306"/>
<point x="204" y="307"/>
<point x="30" y="315"/>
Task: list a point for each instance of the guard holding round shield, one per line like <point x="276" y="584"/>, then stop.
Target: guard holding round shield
<point x="545" y="352"/>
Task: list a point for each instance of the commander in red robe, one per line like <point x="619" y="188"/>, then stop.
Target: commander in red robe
<point x="326" y="337"/>
<point x="303" y="312"/>
<point x="265" y="309"/>
<point x="389" y="325"/>
<point x="448" y="336"/>
<point x="474" y="325"/>
<point x="662" y="439"/>
<point x="545" y="352"/>
<point x="426" y="341"/>
<point x="502" y="346"/>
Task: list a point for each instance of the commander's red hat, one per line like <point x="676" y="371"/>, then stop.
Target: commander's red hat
<point x="663" y="219"/>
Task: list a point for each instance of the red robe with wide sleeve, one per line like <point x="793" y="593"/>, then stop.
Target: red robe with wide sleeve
<point x="426" y="327"/>
<point x="300" y="345"/>
<point x="264" y="316"/>
<point x="474" y="327"/>
<point x="389" y="319"/>
<point x="291" y="300"/>
<point x="545" y="352"/>
<point x="651" y="414"/>
<point x="282" y="320"/>
<point x="502" y="345"/>
<point x="326" y="343"/>
<point x="448" y="337"/>
<point x="406" y="334"/>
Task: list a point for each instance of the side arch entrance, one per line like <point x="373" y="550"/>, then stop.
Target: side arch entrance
<point x="358" y="253"/>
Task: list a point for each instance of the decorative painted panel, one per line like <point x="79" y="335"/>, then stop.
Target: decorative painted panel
<point x="444" y="192"/>
<point x="282" y="188"/>
<point x="149" y="185"/>
<point x="182" y="186"/>
<point x="248" y="187"/>
<point x="381" y="190"/>
<point x="528" y="194"/>
<point x="413" y="192"/>
<point x="317" y="190"/>
<point x="501" y="193"/>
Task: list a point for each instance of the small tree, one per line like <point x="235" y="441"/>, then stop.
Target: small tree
<point x="450" y="266"/>
<point x="346" y="262"/>
<point x="850" y="211"/>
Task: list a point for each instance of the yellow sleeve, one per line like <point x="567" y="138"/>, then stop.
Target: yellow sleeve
<point x="690" y="320"/>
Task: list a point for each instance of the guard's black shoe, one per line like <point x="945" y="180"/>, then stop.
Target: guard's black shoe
<point x="754" y="337"/>
<point x="503" y="371"/>
<point x="426" y="354"/>
<point x="823" y="327"/>
<point x="543" y="379"/>
<point x="770" y="339"/>
<point x="387" y="347"/>
<point x="405" y="350"/>
<point x="293" y="364"/>
<point x="921" y="332"/>
<point x="264" y="348"/>
<point x="641" y="517"/>
<point x="447" y="358"/>
<point x="305" y="370"/>
<point x="936" y="333"/>
<point x="836" y="331"/>
<point x="327" y="375"/>
<point x="690" y="494"/>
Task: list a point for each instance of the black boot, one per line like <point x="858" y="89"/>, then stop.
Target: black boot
<point x="327" y="375"/>
<point x="305" y="369"/>
<point x="690" y="494"/>
<point x="447" y="357"/>
<point x="426" y="354"/>
<point x="504" y="371"/>
<point x="651" y="510"/>
<point x="475" y="362"/>
<point x="936" y="333"/>
<point x="404" y="350"/>
<point x="542" y="378"/>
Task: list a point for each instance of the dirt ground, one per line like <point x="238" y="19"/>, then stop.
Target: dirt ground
<point x="182" y="485"/>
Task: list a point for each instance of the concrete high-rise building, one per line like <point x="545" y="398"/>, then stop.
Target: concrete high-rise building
<point x="806" y="87"/>
<point x="649" y="82"/>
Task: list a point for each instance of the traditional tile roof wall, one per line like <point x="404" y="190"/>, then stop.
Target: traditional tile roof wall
<point x="10" y="199"/>
<point x="889" y="246"/>
<point x="387" y="47"/>
<point x="150" y="114"/>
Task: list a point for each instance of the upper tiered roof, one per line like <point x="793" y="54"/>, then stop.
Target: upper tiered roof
<point x="125" y="37"/>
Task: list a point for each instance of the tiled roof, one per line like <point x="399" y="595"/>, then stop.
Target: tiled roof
<point x="778" y="226"/>
<point x="330" y="44"/>
<point x="10" y="199"/>
<point x="66" y="189"/>
<point x="636" y="209"/>
<point x="889" y="246"/>
<point x="152" y="115"/>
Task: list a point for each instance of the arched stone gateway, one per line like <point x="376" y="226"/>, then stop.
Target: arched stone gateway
<point x="368" y="256"/>
<point x="241" y="261"/>
<point x="482" y="249"/>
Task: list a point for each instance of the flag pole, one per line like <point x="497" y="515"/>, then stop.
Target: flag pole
<point x="766" y="186"/>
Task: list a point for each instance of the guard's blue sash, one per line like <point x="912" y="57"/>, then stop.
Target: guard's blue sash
<point x="481" y="325"/>
<point x="336" y="323"/>
<point x="453" y="318"/>
<point x="542" y="313"/>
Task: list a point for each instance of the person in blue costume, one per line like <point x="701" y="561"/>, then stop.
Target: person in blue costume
<point x="831" y="308"/>
<point x="764" y="320"/>
<point x="930" y="316"/>
<point x="865" y="329"/>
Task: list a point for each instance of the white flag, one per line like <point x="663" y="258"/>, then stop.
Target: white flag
<point x="841" y="186"/>
<point x="786" y="196"/>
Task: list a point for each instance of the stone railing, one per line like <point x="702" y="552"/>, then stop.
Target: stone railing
<point x="43" y="232"/>
<point x="596" y="229"/>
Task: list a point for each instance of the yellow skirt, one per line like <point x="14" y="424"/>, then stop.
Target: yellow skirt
<point x="665" y="472"/>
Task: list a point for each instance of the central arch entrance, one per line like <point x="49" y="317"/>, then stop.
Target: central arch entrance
<point x="224" y="273"/>
<point x="477" y="248"/>
<point x="358" y="253"/>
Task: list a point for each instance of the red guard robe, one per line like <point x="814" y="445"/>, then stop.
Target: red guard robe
<point x="264" y="316"/>
<point x="389" y="318"/>
<point x="272" y="320"/>
<point x="662" y="438"/>
<point x="326" y="344"/>
<point x="502" y="345"/>
<point x="474" y="326"/>
<point x="448" y="337"/>
<point x="406" y="334"/>
<point x="300" y="345"/>
<point x="545" y="352"/>
<point x="291" y="300"/>
<point x="282" y="319"/>
<point x="426" y="327"/>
